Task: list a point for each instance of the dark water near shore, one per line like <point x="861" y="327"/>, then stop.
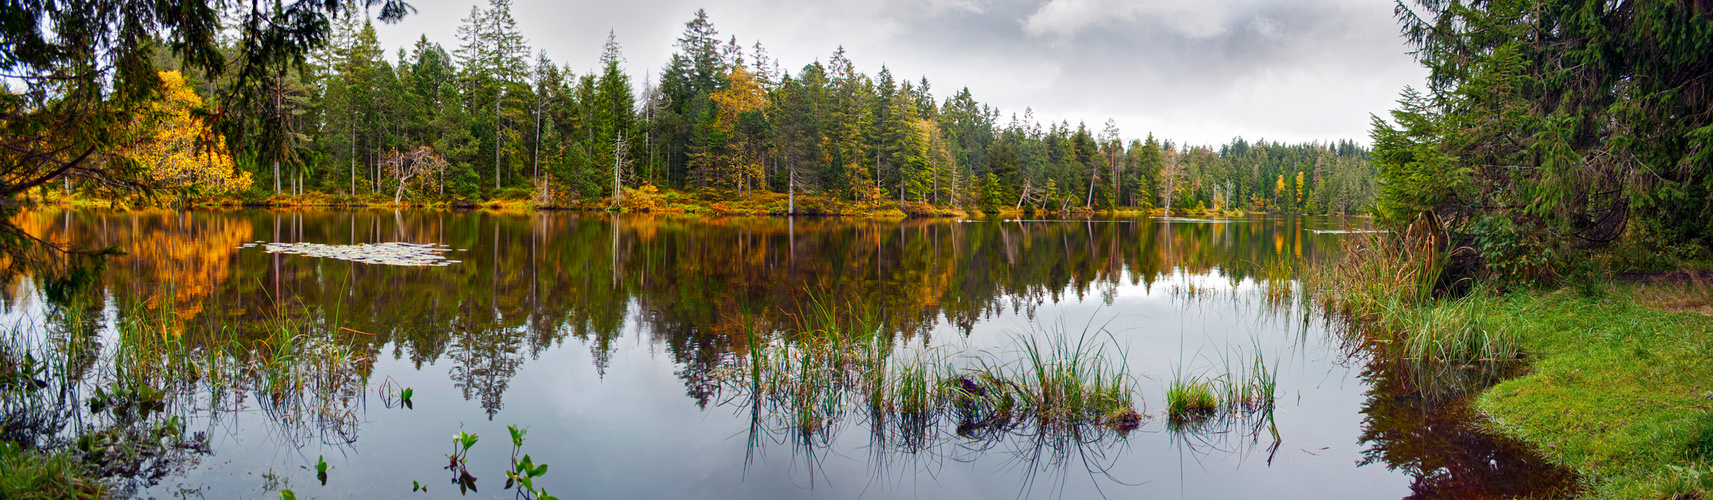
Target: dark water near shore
<point x="606" y="336"/>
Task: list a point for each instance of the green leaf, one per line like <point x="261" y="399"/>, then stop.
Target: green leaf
<point x="517" y="434"/>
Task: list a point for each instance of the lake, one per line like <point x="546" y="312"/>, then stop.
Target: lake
<point x="207" y="362"/>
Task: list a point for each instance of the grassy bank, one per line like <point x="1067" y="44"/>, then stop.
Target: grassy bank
<point x="27" y="475"/>
<point x="1609" y="377"/>
<point x="1619" y="388"/>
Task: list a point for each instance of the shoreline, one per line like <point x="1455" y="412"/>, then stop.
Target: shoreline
<point x="744" y="208"/>
<point x="1617" y="384"/>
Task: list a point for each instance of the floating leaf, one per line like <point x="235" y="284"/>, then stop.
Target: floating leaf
<point x="390" y="253"/>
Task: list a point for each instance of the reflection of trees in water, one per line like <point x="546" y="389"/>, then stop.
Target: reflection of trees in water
<point x="1416" y="420"/>
<point x="528" y="282"/>
<point x="123" y="397"/>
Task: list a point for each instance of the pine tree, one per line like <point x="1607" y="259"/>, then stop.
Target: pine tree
<point x="613" y="115"/>
<point x="492" y="56"/>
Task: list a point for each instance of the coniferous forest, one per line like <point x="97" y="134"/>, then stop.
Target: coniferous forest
<point x="490" y="120"/>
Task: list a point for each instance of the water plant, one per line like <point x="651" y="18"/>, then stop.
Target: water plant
<point x="393" y="394"/>
<point x="1250" y="388"/>
<point x="524" y="471"/>
<point x="1453" y="331"/>
<point x="321" y="469"/>
<point x="457" y="461"/>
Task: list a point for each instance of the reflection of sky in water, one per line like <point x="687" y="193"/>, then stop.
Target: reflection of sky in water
<point x="632" y="432"/>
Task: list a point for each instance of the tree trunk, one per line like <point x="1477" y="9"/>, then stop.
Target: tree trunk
<point x="618" y="163"/>
<point x="537" y="172"/>
<point x="1093" y="177"/>
<point x="353" y="191"/>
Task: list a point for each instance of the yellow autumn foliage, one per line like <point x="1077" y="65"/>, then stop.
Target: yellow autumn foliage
<point x="180" y="150"/>
<point x="741" y="166"/>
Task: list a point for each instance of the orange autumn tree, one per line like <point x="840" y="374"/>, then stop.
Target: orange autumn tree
<point x="179" y="149"/>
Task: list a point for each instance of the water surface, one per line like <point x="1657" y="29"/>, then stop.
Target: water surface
<point x="606" y="336"/>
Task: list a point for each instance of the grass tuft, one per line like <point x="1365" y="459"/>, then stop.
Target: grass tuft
<point x="35" y="475"/>
<point x="1191" y="398"/>
<point x="834" y="364"/>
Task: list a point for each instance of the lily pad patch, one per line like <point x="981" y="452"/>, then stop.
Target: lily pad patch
<point x="392" y="253"/>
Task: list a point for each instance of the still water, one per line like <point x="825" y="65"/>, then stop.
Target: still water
<point x="607" y="337"/>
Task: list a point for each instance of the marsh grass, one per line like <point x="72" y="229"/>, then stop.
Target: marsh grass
<point x="1191" y="398"/>
<point x="119" y="399"/>
<point x="1239" y="393"/>
<point x="1250" y="387"/>
<point x="1384" y="268"/>
<point x="1455" y="331"/>
<point x="1064" y="379"/>
<point x="1279" y="283"/>
<point x="1385" y="297"/>
<point x="837" y="367"/>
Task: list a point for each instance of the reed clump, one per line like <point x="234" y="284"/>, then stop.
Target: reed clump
<point x="1454" y="331"/>
<point x="1241" y="390"/>
<point x="1191" y="398"/>
<point x="1062" y="380"/>
<point x="1386" y="293"/>
<point x="813" y="379"/>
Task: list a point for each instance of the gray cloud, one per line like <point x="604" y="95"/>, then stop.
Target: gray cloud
<point x="1201" y="71"/>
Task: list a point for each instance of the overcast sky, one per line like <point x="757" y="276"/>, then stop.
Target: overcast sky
<point x="1197" y="71"/>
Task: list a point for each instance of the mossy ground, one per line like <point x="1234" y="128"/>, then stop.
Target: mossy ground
<point x="1620" y="387"/>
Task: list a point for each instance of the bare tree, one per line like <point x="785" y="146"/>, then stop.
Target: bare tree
<point x="418" y="166"/>
<point x="620" y="164"/>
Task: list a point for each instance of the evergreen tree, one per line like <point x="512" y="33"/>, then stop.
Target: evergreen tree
<point x="492" y="56"/>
